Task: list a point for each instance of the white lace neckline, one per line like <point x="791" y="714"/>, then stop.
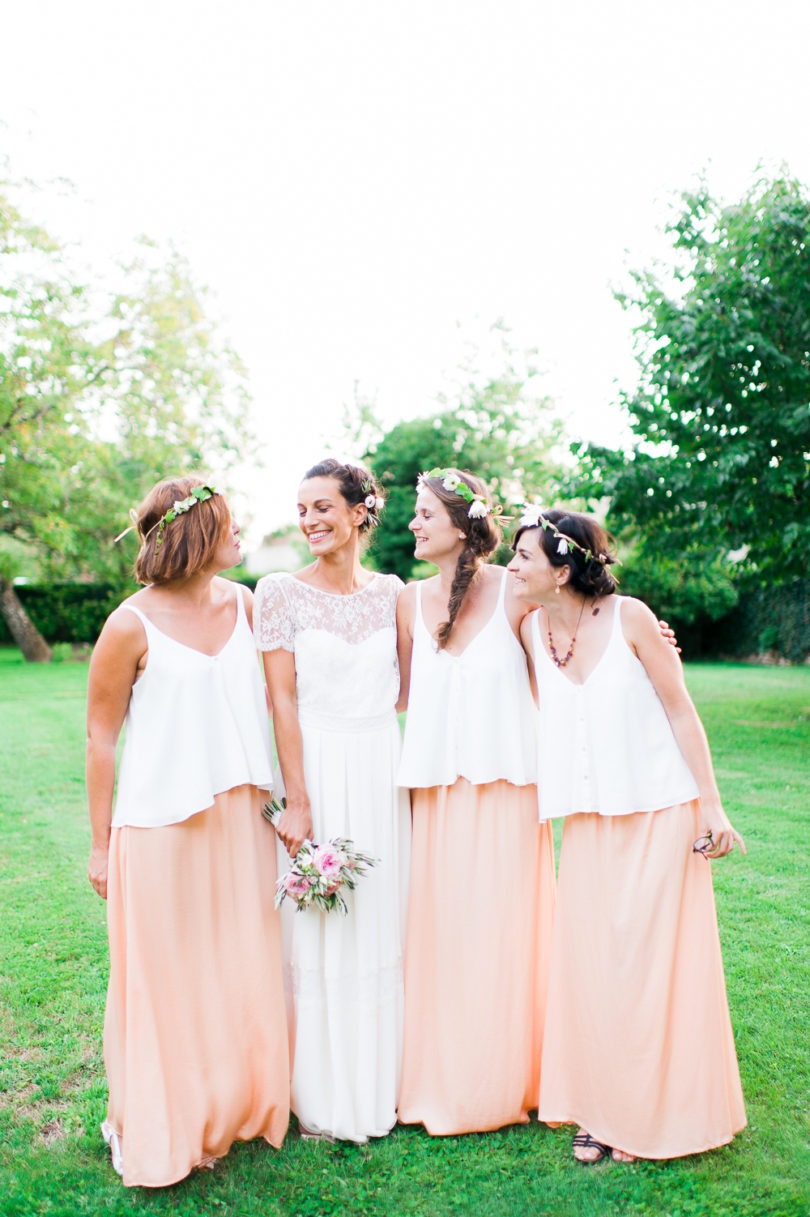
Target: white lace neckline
<point x="337" y="595"/>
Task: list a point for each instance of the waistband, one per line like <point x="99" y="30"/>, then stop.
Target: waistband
<point x="345" y="722"/>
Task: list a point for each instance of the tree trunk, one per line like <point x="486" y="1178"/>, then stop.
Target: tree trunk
<point x="20" y="626"/>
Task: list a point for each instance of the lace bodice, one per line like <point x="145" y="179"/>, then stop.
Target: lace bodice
<point x="344" y="646"/>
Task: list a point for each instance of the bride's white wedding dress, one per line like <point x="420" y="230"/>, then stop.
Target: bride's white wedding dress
<point x="343" y="975"/>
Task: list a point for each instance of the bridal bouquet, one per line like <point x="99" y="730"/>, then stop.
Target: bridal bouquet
<point x="319" y="873"/>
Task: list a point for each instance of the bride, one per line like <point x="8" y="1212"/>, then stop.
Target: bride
<point x="328" y="635"/>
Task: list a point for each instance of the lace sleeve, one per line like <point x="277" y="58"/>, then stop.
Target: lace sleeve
<point x="273" y="621"/>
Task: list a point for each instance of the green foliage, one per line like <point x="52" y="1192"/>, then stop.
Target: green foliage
<point x="684" y="588"/>
<point x="100" y="395"/>
<point x="767" y="620"/>
<point x="68" y="612"/>
<point x="498" y="428"/>
<point x="721" y="460"/>
<point x="54" y="948"/>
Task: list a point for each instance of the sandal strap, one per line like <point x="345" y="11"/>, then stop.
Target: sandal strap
<point x="584" y="1140"/>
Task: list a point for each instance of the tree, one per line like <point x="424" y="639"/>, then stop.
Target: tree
<point x="100" y="394"/>
<point x="721" y="413"/>
<point x="498" y="428"/>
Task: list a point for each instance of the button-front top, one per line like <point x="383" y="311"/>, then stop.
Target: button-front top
<point x="606" y="745"/>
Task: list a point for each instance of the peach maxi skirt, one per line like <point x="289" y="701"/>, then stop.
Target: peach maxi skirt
<point x="476" y="959"/>
<point x="638" y="1042"/>
<point x="195" y="1035"/>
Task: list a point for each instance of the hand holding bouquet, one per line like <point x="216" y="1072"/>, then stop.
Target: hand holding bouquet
<point x="320" y="873"/>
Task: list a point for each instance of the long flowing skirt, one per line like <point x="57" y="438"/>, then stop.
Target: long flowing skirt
<point x="343" y="975"/>
<point x="195" y="1036"/>
<point x="479" y="935"/>
<point x="638" y="1045"/>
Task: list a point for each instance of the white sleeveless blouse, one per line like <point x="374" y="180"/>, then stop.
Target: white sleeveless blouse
<point x="196" y="726"/>
<point x="470" y="715"/>
<point x="605" y="746"/>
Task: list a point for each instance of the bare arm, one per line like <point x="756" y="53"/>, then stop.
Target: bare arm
<point x="113" y="668"/>
<point x="295" y="823"/>
<point x="666" y="673"/>
<point x="405" y="618"/>
<point x="526" y="641"/>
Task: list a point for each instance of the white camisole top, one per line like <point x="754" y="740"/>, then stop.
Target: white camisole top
<point x="196" y="726"/>
<point x="470" y="715"/>
<point x="605" y="746"/>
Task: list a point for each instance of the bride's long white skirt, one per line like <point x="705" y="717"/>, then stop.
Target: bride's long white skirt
<point x="343" y="975"/>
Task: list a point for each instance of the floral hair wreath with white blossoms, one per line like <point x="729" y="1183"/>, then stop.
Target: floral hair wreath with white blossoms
<point x="534" y="516"/>
<point x="479" y="508"/>
<point x="179" y="507"/>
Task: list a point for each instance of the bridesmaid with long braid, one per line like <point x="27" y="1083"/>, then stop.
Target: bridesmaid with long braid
<point x="482" y="877"/>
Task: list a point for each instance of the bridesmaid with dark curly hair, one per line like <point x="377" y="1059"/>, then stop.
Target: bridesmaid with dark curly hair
<point x="638" y="1050"/>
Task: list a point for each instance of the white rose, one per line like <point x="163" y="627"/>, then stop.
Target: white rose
<point x="370" y="501"/>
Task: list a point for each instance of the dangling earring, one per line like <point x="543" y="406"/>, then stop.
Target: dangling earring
<point x="557" y="590"/>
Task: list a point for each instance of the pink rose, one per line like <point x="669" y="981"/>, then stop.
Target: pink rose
<point x="328" y="861"/>
<point x="296" y="885"/>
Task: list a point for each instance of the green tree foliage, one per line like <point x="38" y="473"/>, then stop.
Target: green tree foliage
<point x="498" y="428"/>
<point x="101" y="393"/>
<point x="721" y="415"/>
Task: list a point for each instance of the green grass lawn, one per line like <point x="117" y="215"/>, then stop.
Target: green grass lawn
<point x="53" y="963"/>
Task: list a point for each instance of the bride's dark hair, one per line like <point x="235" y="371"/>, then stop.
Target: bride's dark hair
<point x="356" y="484"/>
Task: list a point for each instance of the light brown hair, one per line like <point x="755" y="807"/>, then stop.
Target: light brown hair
<point x="184" y="545"/>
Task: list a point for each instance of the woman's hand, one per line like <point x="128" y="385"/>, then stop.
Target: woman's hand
<point x="97" y="869"/>
<point x="294" y="825"/>
<point x="668" y="633"/>
<point x="720" y="832"/>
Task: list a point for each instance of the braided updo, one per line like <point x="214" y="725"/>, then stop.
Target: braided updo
<point x="482" y="538"/>
<point x="357" y="485"/>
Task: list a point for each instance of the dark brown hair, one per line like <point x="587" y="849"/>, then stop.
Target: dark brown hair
<point x="355" y="484"/>
<point x="482" y="537"/>
<point x="589" y="575"/>
<point x="188" y="542"/>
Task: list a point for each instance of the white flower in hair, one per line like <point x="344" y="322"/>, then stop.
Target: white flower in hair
<point x="478" y="510"/>
<point x="380" y="502"/>
<point x="177" y="505"/>
<point x="562" y="546"/>
<point x="370" y="501"/>
<point x="451" y="482"/>
<point x="531" y="516"/>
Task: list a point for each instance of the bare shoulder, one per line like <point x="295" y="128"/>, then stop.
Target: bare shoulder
<point x="636" y="615"/>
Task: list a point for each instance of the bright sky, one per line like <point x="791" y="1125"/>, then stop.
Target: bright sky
<point x="366" y="186"/>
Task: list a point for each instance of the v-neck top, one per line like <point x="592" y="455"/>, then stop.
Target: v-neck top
<point x="470" y="715"/>
<point x="196" y="726"/>
<point x="605" y="746"/>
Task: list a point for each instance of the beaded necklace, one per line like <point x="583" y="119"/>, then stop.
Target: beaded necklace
<point x="560" y="663"/>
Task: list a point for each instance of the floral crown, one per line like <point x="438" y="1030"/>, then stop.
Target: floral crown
<point x="179" y="507"/>
<point x="478" y="509"/>
<point x="535" y="517"/>
<point x="373" y="501"/>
